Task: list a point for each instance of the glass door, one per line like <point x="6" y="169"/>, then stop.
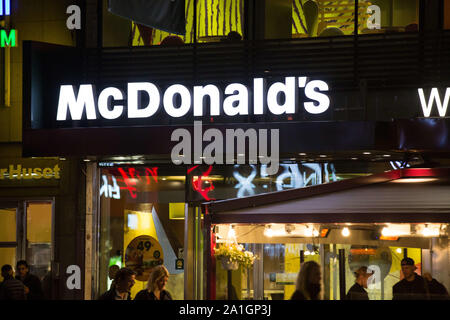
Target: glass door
<point x="9" y="239"/>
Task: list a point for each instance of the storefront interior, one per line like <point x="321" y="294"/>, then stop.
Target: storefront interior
<point x="281" y="248"/>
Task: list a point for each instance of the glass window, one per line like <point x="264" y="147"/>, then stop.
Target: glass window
<point x="217" y="21"/>
<point x="39" y="237"/>
<point x="332" y="18"/>
<point x="370" y="245"/>
<point x="141" y="224"/>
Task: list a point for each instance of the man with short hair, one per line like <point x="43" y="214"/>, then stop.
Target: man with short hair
<point x="123" y="282"/>
<point x="413" y="286"/>
<point x="33" y="286"/>
<point x="357" y="291"/>
<point x="11" y="289"/>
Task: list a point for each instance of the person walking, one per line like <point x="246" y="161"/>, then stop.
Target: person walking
<point x="308" y="284"/>
<point x="357" y="291"/>
<point x="11" y="289"/>
<point x="33" y="286"/>
<point x="156" y="286"/>
<point x="123" y="282"/>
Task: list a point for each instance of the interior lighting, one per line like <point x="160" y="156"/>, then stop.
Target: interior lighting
<point x="399" y="250"/>
<point x="268" y="232"/>
<point x="307" y="253"/>
<point x="302" y="154"/>
<point x="395" y="230"/>
<point x="367" y="153"/>
<point x="231" y="232"/>
<point x="315" y="233"/>
<point x="430" y="231"/>
<point x="345" y="232"/>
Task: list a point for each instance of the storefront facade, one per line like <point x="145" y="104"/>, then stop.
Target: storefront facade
<point x="336" y="107"/>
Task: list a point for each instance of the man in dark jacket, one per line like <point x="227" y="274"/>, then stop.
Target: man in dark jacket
<point x="10" y="288"/>
<point x="33" y="286"/>
<point x="123" y="282"/>
<point x="357" y="291"/>
<point x="437" y="290"/>
<point x="413" y="286"/>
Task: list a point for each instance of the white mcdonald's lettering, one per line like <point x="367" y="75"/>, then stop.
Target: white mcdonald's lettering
<point x="177" y="100"/>
<point x="434" y="96"/>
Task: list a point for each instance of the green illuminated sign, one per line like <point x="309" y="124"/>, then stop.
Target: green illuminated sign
<point x="8" y="40"/>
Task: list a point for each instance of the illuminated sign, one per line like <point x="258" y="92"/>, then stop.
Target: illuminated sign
<point x="110" y="190"/>
<point x="8" y="40"/>
<point x="434" y="96"/>
<point x="19" y="173"/>
<point x="131" y="177"/>
<point x="177" y="100"/>
<point x="5" y="7"/>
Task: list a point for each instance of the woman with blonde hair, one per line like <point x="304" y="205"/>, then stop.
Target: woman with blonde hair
<point x="156" y="285"/>
<point x="308" y="285"/>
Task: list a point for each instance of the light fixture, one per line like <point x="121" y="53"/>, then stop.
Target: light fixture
<point x="268" y="232"/>
<point x="302" y="154"/>
<point x="399" y="250"/>
<point x="386" y="155"/>
<point x="367" y="153"/>
<point x="354" y="158"/>
<point x="289" y="228"/>
<point x="315" y="233"/>
<point x="307" y="253"/>
<point x="86" y="160"/>
<point x="430" y="231"/>
<point x="345" y="232"/>
<point x="323" y="155"/>
<point x="231" y="232"/>
<point x="396" y="230"/>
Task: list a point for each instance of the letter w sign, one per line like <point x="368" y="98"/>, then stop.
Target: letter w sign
<point x="427" y="106"/>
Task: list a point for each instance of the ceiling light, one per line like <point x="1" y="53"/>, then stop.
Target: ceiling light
<point x="231" y="232"/>
<point x="302" y="154"/>
<point x="323" y="156"/>
<point x="399" y="250"/>
<point x="268" y="232"/>
<point x="345" y="232"/>
<point x="386" y="155"/>
<point x="396" y="230"/>
<point x="367" y="153"/>
<point x="430" y="231"/>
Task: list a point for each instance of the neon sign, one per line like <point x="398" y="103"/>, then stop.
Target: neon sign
<point x="131" y="177"/>
<point x="177" y="100"/>
<point x="5" y="7"/>
<point x="7" y="39"/>
<point x="110" y="191"/>
<point x="197" y="183"/>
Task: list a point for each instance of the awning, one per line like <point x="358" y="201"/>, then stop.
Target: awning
<point x="399" y="196"/>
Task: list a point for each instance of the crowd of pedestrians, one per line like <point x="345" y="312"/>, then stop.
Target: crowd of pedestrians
<point x="26" y="286"/>
<point x="22" y="286"/>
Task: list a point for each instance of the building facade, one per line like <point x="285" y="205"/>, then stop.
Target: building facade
<point x="120" y="107"/>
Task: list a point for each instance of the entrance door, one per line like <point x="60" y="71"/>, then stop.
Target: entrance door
<point x="26" y="233"/>
<point x="9" y="244"/>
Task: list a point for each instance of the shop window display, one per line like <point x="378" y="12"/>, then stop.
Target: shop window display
<point x="136" y="227"/>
